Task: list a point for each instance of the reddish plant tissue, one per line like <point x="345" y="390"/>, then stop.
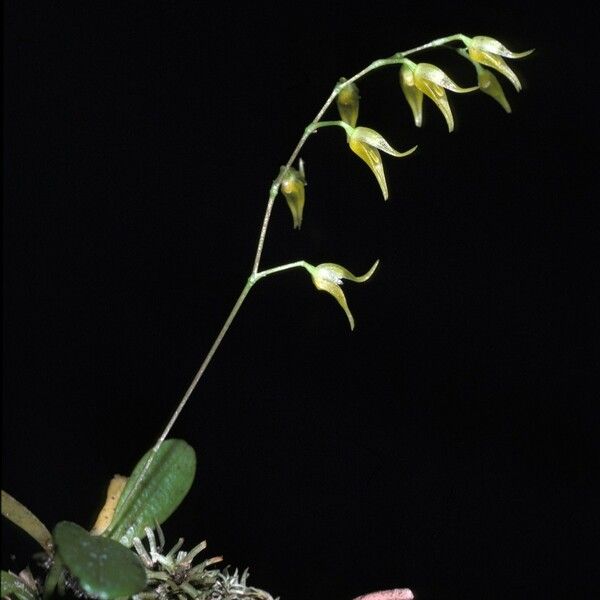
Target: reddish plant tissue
<point x="397" y="594"/>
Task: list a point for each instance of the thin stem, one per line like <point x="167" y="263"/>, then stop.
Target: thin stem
<point x="195" y="380"/>
<point x="314" y="126"/>
<point x="205" y="363"/>
<point x="294" y="265"/>
<point x="457" y="37"/>
<point x="236" y="307"/>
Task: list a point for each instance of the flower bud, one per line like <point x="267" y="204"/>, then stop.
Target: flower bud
<point x="347" y="103"/>
<point x="292" y="187"/>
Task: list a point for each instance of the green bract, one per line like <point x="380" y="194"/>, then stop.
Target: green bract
<point x="104" y="568"/>
<point x="164" y="485"/>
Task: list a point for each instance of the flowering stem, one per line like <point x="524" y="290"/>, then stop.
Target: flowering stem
<point x="457" y="37"/>
<point x="194" y="383"/>
<point x="267" y="272"/>
<point x="396" y="59"/>
<point x="314" y="126"/>
<point x="236" y="307"/>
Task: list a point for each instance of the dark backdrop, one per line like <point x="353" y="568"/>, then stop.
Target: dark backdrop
<point x="447" y="444"/>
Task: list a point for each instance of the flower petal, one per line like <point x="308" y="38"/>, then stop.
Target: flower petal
<point x="496" y="62"/>
<point x="413" y="96"/>
<point x="372" y="138"/>
<point x="488" y="44"/>
<point x="335" y="273"/>
<point x="437" y="76"/>
<point x="372" y="157"/>
<point x="438" y="95"/>
<point x="336" y="291"/>
<point x="489" y="84"/>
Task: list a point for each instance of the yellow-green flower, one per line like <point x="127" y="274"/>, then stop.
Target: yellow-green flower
<point x="489" y="84"/>
<point x="328" y="278"/>
<point x="413" y="95"/>
<point x="366" y="143"/>
<point x="423" y="78"/>
<point x="347" y="103"/>
<point x="292" y="187"/>
<point x="489" y="52"/>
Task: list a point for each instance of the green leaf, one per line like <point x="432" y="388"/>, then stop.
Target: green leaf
<point x="164" y="486"/>
<point x="22" y="517"/>
<point x="105" y="569"/>
<point x="13" y="586"/>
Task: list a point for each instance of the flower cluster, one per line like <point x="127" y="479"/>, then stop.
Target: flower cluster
<point x="416" y="80"/>
<point x="423" y="78"/>
<point x="427" y="79"/>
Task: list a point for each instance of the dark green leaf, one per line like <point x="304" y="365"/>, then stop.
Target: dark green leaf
<point x="164" y="486"/>
<point x="105" y="569"/>
<point x="12" y="585"/>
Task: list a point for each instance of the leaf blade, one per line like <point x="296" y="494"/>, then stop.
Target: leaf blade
<point x="165" y="485"/>
<point x="104" y="568"/>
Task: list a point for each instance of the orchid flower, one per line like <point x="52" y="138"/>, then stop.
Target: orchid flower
<point x="328" y="278"/>
<point x="423" y="78"/>
<point x="366" y="143"/>
<point x="489" y="52"/>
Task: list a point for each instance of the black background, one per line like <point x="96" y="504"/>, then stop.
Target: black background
<point x="449" y="443"/>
